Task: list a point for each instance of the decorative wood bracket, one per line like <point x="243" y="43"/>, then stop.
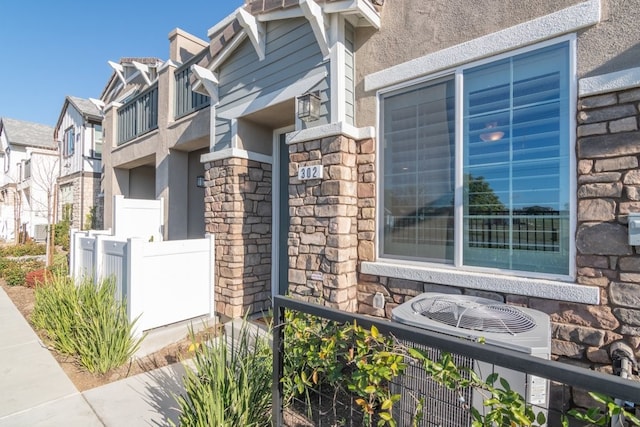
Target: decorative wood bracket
<point x="144" y="70"/>
<point x="313" y="12"/>
<point x="255" y="30"/>
<point x="119" y="70"/>
<point x="206" y="83"/>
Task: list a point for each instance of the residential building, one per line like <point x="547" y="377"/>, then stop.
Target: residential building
<point x="156" y="129"/>
<point x="79" y="135"/>
<point x="488" y="150"/>
<point x="27" y="182"/>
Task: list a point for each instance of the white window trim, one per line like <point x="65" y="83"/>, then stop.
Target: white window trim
<point x="512" y="282"/>
<point x="491" y="282"/>
<point x="565" y="21"/>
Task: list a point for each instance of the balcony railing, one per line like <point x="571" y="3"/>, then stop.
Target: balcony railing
<point x="188" y="101"/>
<point x="27" y="170"/>
<point x="138" y="116"/>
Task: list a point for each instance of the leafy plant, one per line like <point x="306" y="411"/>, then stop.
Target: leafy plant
<point x="319" y="352"/>
<point x="230" y="384"/>
<point x="345" y="357"/>
<point x="60" y="265"/>
<point x="503" y="406"/>
<point x="13" y="273"/>
<point x="37" y="277"/>
<point x="61" y="230"/>
<point x="90" y="220"/>
<point x="56" y="311"/>
<point x="86" y="321"/>
<point x="105" y="336"/>
<point x="598" y="417"/>
<point x="29" y="248"/>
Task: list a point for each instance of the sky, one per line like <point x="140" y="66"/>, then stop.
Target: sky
<point x="51" y="49"/>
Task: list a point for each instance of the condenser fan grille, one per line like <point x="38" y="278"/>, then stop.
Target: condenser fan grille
<point x="478" y="314"/>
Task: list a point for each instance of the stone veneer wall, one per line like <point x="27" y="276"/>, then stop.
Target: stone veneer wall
<point x="86" y="191"/>
<point x="608" y="189"/>
<point x="608" y="150"/>
<point x="238" y="213"/>
<point x="323" y="239"/>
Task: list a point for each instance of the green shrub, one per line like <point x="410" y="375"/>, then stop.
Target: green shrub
<point x="105" y="337"/>
<point x="87" y="321"/>
<point x="61" y="235"/>
<point x="57" y="312"/>
<point x="230" y="385"/>
<point x="30" y="248"/>
<point x="346" y="358"/>
<point x="13" y="273"/>
<point x="60" y="265"/>
<point x="91" y="219"/>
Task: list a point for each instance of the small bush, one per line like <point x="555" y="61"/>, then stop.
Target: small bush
<point x="87" y="321"/>
<point x="13" y="274"/>
<point x="57" y="312"/>
<point x="61" y="235"/>
<point x="37" y="277"/>
<point x="60" y="265"/>
<point x="30" y="248"/>
<point x="230" y="385"/>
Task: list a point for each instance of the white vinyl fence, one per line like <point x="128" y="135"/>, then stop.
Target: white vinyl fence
<point x="161" y="282"/>
<point x="138" y="218"/>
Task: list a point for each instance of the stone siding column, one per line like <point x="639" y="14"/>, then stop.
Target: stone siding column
<point x="238" y="213"/>
<point x="323" y="239"/>
<point x="608" y="190"/>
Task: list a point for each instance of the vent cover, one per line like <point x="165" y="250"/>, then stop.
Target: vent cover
<point x="474" y="313"/>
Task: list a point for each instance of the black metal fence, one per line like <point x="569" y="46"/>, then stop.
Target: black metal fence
<point x="443" y="407"/>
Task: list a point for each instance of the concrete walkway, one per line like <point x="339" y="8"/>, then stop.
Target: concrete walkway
<point x="35" y="391"/>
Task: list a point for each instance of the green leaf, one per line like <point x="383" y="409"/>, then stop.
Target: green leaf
<point x="374" y="331"/>
<point x="492" y="378"/>
<point x="385" y="416"/>
<point x="370" y="389"/>
<point x="386" y="404"/>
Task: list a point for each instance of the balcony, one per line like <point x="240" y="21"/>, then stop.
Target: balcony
<point x="138" y="116"/>
<point x="187" y="101"/>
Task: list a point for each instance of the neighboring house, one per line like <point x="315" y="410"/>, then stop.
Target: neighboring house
<point x="80" y="138"/>
<point x="156" y="129"/>
<point x="29" y="169"/>
<point x="485" y="150"/>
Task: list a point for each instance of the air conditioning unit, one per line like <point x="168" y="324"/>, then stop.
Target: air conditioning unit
<point x="473" y="318"/>
<point x="40" y="232"/>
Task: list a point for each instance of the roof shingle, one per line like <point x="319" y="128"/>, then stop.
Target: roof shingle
<point x="28" y="134"/>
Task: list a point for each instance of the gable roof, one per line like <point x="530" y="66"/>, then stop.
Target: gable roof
<point x="27" y="134"/>
<point x="88" y="109"/>
<point x="114" y="79"/>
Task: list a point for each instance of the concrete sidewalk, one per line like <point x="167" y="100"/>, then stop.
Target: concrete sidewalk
<point x="37" y="392"/>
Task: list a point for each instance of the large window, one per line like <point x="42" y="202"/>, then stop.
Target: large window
<point x="68" y="145"/>
<point x="97" y="141"/>
<point x="476" y="165"/>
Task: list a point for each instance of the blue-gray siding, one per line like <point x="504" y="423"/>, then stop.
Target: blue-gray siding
<point x="349" y="39"/>
<point x="291" y="53"/>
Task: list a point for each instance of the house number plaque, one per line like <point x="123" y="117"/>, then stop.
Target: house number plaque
<point x="310" y="172"/>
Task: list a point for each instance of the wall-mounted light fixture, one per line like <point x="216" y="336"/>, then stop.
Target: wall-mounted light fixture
<point x="309" y="106"/>
<point x="200" y="181"/>
<point x="491" y="133"/>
